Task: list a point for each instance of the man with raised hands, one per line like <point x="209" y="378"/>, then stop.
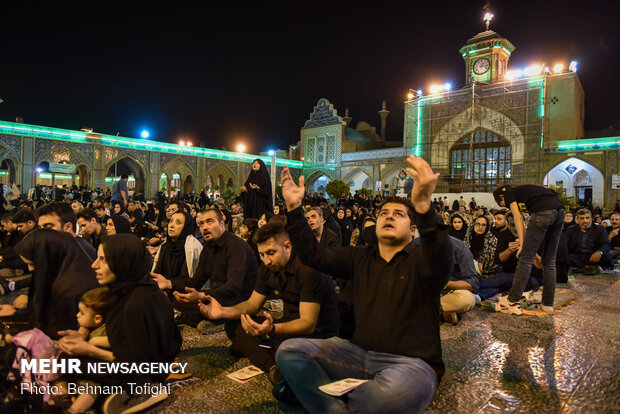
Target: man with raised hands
<point x="396" y="345"/>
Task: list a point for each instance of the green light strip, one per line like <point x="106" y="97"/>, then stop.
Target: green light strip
<point x="58" y="134"/>
<point x="417" y="139"/>
<point x="57" y="176"/>
<point x="582" y="145"/>
<point x="542" y="114"/>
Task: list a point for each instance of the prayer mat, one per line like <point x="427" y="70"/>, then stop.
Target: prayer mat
<point x="563" y="298"/>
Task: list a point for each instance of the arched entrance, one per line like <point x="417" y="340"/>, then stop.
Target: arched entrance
<point x="43" y="176"/>
<point x="319" y="185"/>
<point x="396" y="181"/>
<point x="129" y="166"/>
<point x="359" y="179"/>
<point x="81" y="176"/>
<point x="7" y="171"/>
<point x="188" y="185"/>
<point x="163" y="183"/>
<point x="580" y="180"/>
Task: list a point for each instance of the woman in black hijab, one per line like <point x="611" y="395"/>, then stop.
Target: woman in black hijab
<point x="171" y="259"/>
<point x="117" y="225"/>
<point x="346" y="227"/>
<point x="458" y="226"/>
<point x="140" y="321"/>
<point x="61" y="273"/>
<point x="256" y="193"/>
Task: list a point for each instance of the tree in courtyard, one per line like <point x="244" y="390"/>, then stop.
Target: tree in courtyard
<point x="364" y="191"/>
<point x="337" y="187"/>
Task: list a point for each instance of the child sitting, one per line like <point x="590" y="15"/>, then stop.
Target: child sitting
<point x="92" y="309"/>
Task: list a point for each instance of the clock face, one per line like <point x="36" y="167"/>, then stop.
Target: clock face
<point x="481" y="66"/>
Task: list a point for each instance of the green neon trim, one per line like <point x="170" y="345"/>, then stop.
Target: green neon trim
<point x="56" y="176"/>
<point x="419" y="127"/>
<point x="589" y="144"/>
<point x="58" y="134"/>
<point x="542" y="115"/>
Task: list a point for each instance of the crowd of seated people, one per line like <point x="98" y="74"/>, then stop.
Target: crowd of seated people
<point x="199" y="262"/>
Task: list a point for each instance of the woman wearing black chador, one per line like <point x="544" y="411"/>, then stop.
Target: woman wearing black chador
<point x="256" y="193"/>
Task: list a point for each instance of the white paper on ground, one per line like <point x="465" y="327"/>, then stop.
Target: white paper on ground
<point x="342" y="386"/>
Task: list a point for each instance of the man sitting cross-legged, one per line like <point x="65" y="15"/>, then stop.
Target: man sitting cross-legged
<point x="396" y="286"/>
<point x="588" y="243"/>
<point x="459" y="294"/>
<point x="309" y="303"/>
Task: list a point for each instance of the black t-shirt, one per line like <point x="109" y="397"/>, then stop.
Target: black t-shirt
<point x="504" y="238"/>
<point x="534" y="198"/>
<point x="615" y="242"/>
<point x="299" y="283"/>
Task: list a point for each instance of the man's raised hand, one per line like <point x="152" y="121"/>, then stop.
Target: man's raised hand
<point x="293" y="194"/>
<point x="424" y="182"/>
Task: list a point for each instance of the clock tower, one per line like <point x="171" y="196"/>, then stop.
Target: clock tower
<point x="486" y="57"/>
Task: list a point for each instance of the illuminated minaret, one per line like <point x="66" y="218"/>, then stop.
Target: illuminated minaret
<point x="383" y="113"/>
<point x="346" y="118"/>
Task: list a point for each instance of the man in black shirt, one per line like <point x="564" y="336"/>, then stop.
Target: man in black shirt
<point x="309" y="302"/>
<point x="59" y="216"/>
<point x="226" y="261"/>
<point x="588" y="243"/>
<point x="89" y="224"/>
<point x="395" y="286"/>
<point x="499" y="221"/>
<point x="545" y="227"/>
<point x="325" y="236"/>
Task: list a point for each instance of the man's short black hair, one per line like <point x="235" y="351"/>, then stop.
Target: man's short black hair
<point x="62" y="210"/>
<point x="405" y="201"/>
<point x="500" y="191"/>
<point x="269" y="230"/>
<point x="6" y="217"/>
<point x="501" y="211"/>
<point x="23" y="216"/>
<point x="87" y="214"/>
<point x="124" y="176"/>
<point x="216" y="211"/>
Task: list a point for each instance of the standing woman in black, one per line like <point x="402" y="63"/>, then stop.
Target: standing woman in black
<point x="256" y="193"/>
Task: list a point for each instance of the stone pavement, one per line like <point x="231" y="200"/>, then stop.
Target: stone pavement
<point x="569" y="362"/>
<point x="495" y="363"/>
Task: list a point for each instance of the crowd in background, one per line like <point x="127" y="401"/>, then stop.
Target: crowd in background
<point x="198" y="249"/>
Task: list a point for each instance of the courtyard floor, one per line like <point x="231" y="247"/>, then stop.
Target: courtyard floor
<point x="495" y="363"/>
<point x="568" y="362"/>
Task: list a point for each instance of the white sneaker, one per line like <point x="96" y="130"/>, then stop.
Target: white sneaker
<point x="547" y="309"/>
<point x="533" y="297"/>
<point x="503" y="305"/>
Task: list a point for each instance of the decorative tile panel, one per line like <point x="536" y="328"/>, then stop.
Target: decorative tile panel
<point x="320" y="150"/>
<point x="323" y="114"/>
<point x="11" y="142"/>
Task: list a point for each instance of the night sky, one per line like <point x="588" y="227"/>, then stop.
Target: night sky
<point x="252" y="72"/>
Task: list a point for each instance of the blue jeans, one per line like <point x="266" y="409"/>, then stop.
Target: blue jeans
<point x="501" y="282"/>
<point x="397" y="383"/>
<point x="544" y="229"/>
